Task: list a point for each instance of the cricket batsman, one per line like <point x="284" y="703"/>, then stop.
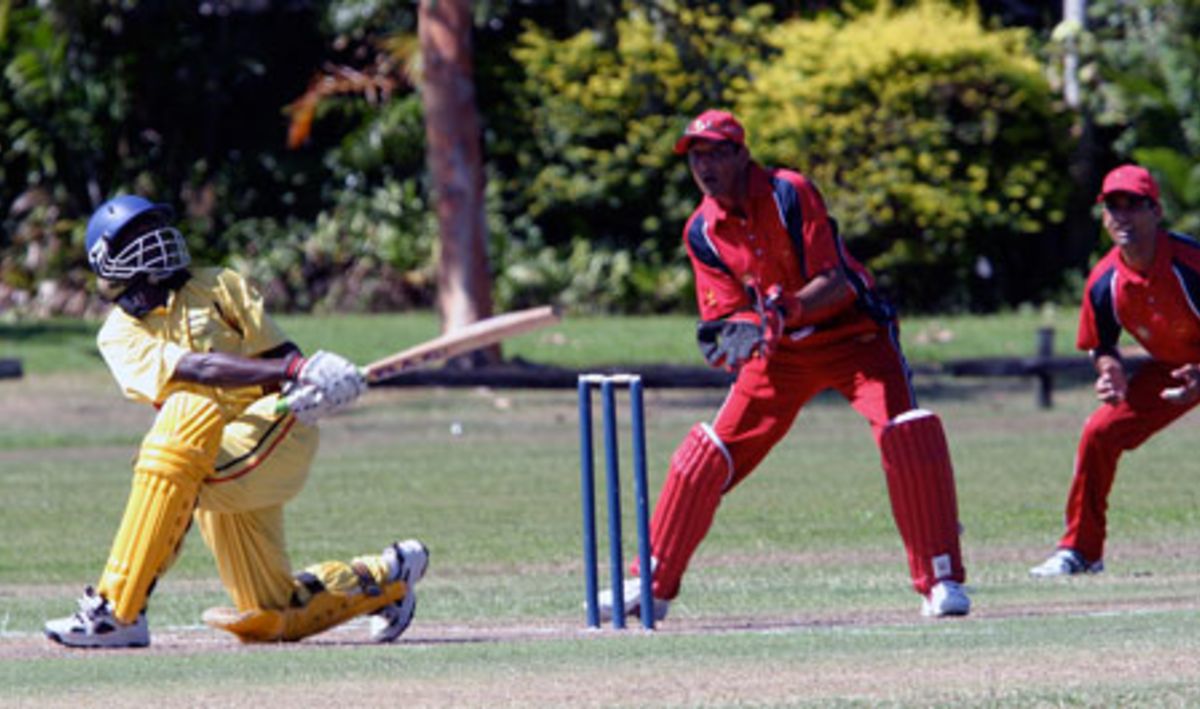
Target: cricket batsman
<point x="196" y="345"/>
<point x="783" y="304"/>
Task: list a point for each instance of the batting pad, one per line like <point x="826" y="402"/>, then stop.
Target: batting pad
<point x="324" y="609"/>
<point x="920" y="479"/>
<point x="175" y="456"/>
<point x="701" y="469"/>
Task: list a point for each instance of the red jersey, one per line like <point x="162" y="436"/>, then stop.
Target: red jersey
<point x="1158" y="308"/>
<point x="786" y="238"/>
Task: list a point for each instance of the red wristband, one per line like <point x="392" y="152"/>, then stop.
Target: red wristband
<point x="294" y="364"/>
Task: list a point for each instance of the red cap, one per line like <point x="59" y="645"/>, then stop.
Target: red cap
<point x="711" y="125"/>
<point x="1129" y="178"/>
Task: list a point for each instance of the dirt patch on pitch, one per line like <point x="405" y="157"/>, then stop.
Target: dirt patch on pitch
<point x="199" y="639"/>
<point x="870" y="678"/>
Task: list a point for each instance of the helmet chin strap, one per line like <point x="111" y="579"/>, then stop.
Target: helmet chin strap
<point x="144" y="294"/>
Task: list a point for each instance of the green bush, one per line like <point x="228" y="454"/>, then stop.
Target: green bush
<point x="370" y="252"/>
<point x="593" y="170"/>
<point x="935" y="141"/>
<point x="93" y="102"/>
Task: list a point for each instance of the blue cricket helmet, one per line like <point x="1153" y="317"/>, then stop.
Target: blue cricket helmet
<point x="156" y="253"/>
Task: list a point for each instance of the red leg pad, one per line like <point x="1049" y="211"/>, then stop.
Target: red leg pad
<point x="920" y="481"/>
<point x="700" y="470"/>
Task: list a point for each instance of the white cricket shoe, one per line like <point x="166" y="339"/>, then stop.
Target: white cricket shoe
<point x="407" y="561"/>
<point x="944" y="599"/>
<point x="1066" y="562"/>
<point x="633" y="602"/>
<point x="93" y="625"/>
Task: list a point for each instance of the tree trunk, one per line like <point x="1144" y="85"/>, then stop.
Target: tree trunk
<point x="1080" y="228"/>
<point x="454" y="156"/>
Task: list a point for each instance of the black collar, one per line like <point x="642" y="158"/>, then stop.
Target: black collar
<point x="142" y="296"/>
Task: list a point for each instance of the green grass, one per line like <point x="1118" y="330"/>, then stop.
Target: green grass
<point x="798" y="596"/>
<point x="578" y="342"/>
<point x="56" y="345"/>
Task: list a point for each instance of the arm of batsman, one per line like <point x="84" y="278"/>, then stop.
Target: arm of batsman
<point x="339" y="380"/>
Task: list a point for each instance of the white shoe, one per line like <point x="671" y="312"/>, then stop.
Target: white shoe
<point x="1066" y="562"/>
<point x="946" y="598"/>
<point x="93" y="625"/>
<point x="407" y="561"/>
<point x="390" y="622"/>
<point x="633" y="602"/>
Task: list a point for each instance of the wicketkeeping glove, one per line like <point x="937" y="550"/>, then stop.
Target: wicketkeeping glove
<point x="729" y="343"/>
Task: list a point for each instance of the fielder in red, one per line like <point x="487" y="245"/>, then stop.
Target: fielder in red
<point x="784" y="305"/>
<point x="1149" y="285"/>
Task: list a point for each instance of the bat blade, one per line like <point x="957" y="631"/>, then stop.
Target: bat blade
<point x="482" y="333"/>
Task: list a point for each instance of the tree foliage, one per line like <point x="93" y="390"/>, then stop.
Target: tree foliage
<point x="1144" y="75"/>
<point x="930" y="128"/>
<point x="937" y="142"/>
<point x="94" y="101"/>
<point x="592" y="167"/>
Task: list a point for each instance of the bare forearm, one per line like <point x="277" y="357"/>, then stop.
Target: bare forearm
<point x="221" y="369"/>
<point x="820" y="299"/>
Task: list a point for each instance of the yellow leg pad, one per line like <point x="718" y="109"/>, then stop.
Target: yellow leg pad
<point x="175" y="456"/>
<point x="252" y="626"/>
<point x="322" y="612"/>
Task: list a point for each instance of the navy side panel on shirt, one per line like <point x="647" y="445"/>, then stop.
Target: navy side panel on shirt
<point x="1189" y="278"/>
<point x="788" y="203"/>
<point x="702" y="246"/>
<point x="868" y="299"/>
<point x="1104" y="309"/>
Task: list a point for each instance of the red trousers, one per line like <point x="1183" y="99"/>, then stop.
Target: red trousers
<point x="869" y="371"/>
<point x="766" y="398"/>
<point x="1110" y="431"/>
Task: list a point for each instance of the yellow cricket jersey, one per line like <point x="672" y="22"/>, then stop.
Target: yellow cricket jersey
<point x="264" y="457"/>
<point x="215" y="311"/>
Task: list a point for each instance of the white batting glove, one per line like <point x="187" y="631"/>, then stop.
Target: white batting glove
<point x="307" y="403"/>
<point x="339" y="379"/>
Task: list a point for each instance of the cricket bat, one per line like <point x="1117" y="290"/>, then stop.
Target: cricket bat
<point x="477" y="335"/>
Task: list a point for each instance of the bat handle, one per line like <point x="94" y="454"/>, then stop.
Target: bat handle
<point x="283" y="407"/>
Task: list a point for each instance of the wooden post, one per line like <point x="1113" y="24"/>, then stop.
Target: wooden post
<point x="1045" y="353"/>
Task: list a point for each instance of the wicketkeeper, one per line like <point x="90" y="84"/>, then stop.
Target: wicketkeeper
<point x="197" y="345"/>
<point x="784" y="305"/>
